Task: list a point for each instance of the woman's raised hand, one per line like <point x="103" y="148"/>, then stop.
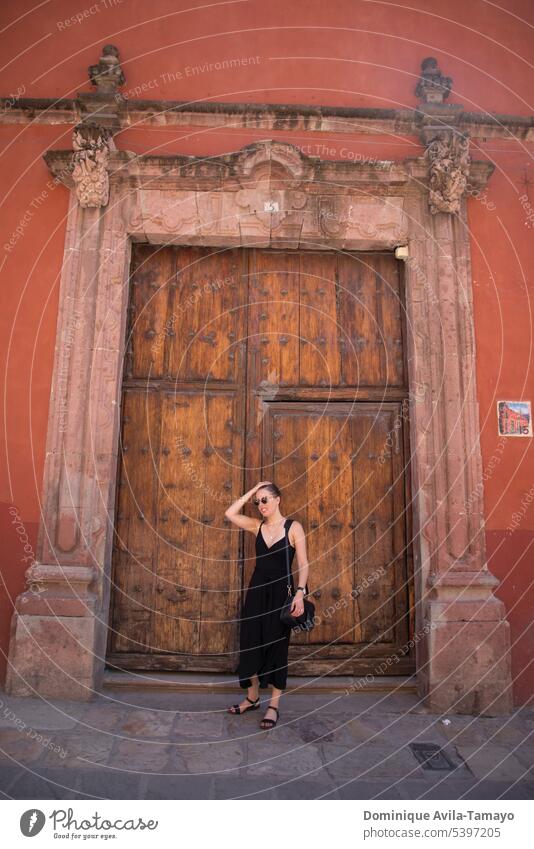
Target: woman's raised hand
<point x="259" y="485"/>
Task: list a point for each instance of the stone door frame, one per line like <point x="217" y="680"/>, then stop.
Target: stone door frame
<point x="266" y="195"/>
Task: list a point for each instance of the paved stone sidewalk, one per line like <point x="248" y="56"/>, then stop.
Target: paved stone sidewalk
<point x="150" y="744"/>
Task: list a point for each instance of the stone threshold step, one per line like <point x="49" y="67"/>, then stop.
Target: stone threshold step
<point x="192" y="682"/>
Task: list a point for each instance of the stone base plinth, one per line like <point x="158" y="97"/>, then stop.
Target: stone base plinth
<point x="54" y="634"/>
<point x="52" y="657"/>
<point x="469" y="664"/>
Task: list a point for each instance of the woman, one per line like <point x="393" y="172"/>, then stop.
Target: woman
<point x="264" y="640"/>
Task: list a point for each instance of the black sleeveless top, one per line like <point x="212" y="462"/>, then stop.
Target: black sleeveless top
<point x="271" y="560"/>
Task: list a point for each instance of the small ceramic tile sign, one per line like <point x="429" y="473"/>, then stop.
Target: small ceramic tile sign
<point x="515" y="418"/>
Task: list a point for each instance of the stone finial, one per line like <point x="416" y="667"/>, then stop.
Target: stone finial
<point x="107" y="76"/>
<point x="449" y="162"/>
<point x="432" y="87"/>
<point x="90" y="160"/>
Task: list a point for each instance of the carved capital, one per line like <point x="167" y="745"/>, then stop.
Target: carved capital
<point x="90" y="163"/>
<point x="448" y="160"/>
<point x="433" y="86"/>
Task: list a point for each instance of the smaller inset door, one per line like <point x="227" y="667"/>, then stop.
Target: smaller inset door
<point x="342" y="469"/>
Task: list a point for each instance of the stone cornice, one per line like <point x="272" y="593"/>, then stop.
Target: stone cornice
<point x="169" y="172"/>
<point x="266" y="117"/>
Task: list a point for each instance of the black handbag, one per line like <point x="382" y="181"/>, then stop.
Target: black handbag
<point x="306" y="620"/>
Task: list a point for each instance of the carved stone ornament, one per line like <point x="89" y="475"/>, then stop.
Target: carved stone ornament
<point x="90" y="160"/>
<point x="433" y="86"/>
<point x="107" y="75"/>
<point x="448" y="159"/>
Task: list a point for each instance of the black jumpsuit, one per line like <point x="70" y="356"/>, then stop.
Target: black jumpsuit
<point x="264" y="640"/>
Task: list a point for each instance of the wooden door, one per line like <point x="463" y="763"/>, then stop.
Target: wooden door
<point x="347" y="488"/>
<point x="246" y="365"/>
<point x="177" y="575"/>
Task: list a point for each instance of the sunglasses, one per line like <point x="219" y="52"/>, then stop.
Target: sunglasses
<point x="264" y="499"/>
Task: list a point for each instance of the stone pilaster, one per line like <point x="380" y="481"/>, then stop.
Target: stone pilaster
<point x="59" y="626"/>
<point x="465" y="665"/>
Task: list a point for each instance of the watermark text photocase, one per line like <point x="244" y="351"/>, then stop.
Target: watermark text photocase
<point x="23" y="535"/>
<point x="519" y="515"/>
<point x="493" y="462"/>
<point x="528" y="209"/>
<point x="385" y="664"/>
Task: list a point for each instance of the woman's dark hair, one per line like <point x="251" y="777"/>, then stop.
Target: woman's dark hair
<point x="272" y="488"/>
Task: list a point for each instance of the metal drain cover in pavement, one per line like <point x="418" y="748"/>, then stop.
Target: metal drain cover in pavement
<point x="431" y="756"/>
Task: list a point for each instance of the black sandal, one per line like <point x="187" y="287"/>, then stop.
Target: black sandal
<point x="272" y="722"/>
<point x="254" y="706"/>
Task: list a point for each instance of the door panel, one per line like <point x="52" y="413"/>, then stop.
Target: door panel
<point x="136" y="503"/>
<point x="369" y="317"/>
<point x="322" y="319"/>
<point x="246" y="365"/>
<point x="347" y="489"/>
<point x="273" y="318"/>
<point x="318" y="321"/>
<point x="380" y="522"/>
<point x="151" y="290"/>
<point x="208" y="316"/>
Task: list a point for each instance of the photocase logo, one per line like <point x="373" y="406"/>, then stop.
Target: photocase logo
<point x="32" y="822"/>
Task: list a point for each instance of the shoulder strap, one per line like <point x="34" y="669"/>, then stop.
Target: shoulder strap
<point x="287" y="526"/>
<point x="287" y="558"/>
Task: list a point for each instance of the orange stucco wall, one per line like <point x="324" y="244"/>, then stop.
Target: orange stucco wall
<point x="351" y="53"/>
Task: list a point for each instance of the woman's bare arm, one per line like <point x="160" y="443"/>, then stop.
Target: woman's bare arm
<point x="299" y="541"/>
<point x="233" y="513"/>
